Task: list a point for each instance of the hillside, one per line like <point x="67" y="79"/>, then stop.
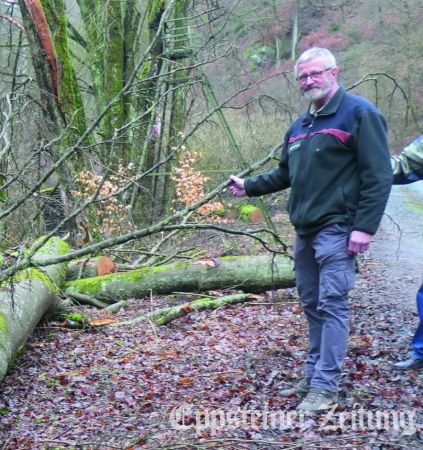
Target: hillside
<point x="382" y="40"/>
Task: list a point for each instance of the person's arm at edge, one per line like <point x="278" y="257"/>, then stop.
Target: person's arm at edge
<point x="407" y="167"/>
<point x="272" y="181"/>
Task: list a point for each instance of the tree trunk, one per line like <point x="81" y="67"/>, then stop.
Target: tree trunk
<point x="249" y="273"/>
<point x="25" y="299"/>
<point x="181" y="56"/>
<point x="295" y="29"/>
<point x="46" y="31"/>
<point x="110" y="48"/>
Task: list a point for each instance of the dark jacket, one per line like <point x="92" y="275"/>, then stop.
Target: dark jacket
<point x="337" y="165"/>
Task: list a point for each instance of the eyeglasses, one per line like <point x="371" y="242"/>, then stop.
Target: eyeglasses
<point x="312" y="75"/>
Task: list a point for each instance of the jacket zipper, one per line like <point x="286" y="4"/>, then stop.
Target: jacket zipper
<point x="301" y="212"/>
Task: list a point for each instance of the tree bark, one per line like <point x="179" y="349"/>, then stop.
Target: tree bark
<point x="25" y="299"/>
<point x="248" y="273"/>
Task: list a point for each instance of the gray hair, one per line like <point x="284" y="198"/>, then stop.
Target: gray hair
<point x="316" y="52"/>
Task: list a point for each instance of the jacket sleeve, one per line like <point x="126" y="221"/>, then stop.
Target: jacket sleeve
<point x="374" y="169"/>
<point x="408" y="165"/>
<point x="272" y="181"/>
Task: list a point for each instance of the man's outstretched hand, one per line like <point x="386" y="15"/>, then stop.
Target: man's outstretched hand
<point x="359" y="242"/>
<point x="237" y="187"/>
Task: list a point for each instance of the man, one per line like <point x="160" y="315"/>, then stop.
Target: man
<point x="407" y="168"/>
<point x="335" y="158"/>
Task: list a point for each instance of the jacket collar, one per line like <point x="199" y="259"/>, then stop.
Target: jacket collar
<point x="332" y="105"/>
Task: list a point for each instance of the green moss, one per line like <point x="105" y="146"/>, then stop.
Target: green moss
<point x="201" y="302"/>
<point x="33" y="274"/>
<point x="138" y="274"/>
<point x="246" y="211"/>
<point x="48" y="191"/>
<point x="4" y="327"/>
<point x="89" y="286"/>
<point x="96" y="285"/>
<point x="76" y="317"/>
<point x="162" y="321"/>
<point x="145" y="70"/>
<point x="52" y="245"/>
<point x="156" y="10"/>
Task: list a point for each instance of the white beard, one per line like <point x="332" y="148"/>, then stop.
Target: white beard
<point x="315" y="94"/>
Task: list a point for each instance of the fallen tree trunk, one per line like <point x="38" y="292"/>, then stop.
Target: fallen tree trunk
<point x="163" y="316"/>
<point x="248" y="273"/>
<point x="26" y="298"/>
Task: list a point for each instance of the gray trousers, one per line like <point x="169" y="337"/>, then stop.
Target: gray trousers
<point x="324" y="275"/>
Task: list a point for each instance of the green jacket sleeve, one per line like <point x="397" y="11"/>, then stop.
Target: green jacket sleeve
<point x="407" y="167"/>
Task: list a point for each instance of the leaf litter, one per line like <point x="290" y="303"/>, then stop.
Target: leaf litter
<point x="148" y="387"/>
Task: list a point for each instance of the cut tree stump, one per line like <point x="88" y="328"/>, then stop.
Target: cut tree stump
<point x="90" y="267"/>
<point x="252" y="274"/>
<point x="25" y="299"/>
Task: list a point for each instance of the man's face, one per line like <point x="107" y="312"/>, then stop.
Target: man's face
<point x="316" y="79"/>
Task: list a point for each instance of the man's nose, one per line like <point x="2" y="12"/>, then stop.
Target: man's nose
<point x="309" y="80"/>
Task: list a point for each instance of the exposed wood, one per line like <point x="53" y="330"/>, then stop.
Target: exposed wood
<point x="90" y="267"/>
<point x="249" y="273"/>
<point x="43" y="30"/>
<point x="25" y="299"/>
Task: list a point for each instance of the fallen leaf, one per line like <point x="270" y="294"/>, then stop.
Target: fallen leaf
<point x="185" y="382"/>
<point x="102" y="322"/>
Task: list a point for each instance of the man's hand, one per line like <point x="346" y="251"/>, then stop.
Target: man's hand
<point x="237" y="187"/>
<point x="359" y="242"/>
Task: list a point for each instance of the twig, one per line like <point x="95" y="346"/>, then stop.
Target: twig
<point x="76" y="330"/>
<point x="163" y="316"/>
<point x="76" y="444"/>
<point x="116" y="307"/>
<point x="200" y="375"/>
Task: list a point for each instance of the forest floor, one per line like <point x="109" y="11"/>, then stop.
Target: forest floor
<point x="212" y="379"/>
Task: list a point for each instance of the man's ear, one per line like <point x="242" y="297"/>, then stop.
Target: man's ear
<point x="335" y="71"/>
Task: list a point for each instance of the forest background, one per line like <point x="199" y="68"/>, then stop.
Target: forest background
<point x="116" y="115"/>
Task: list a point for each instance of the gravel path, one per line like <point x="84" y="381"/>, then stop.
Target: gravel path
<point x="398" y="246"/>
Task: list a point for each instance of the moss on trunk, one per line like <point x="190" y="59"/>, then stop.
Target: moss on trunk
<point x="25" y="299"/>
<point x="249" y="273"/>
